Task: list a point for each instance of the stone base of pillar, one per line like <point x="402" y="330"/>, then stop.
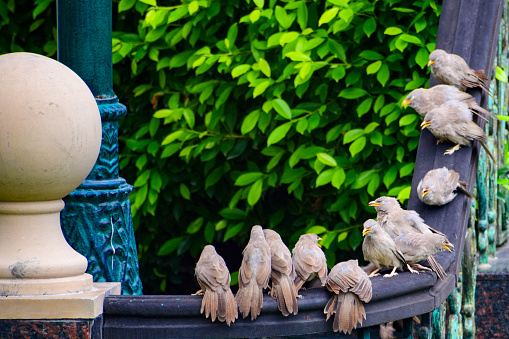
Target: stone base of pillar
<point x="86" y="306"/>
<point x="55" y="286"/>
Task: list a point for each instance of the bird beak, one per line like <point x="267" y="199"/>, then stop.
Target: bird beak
<point x="448" y="247"/>
<point x="425" y="191"/>
<point x="405" y="103"/>
<point x="365" y="231"/>
<point x="425" y="124"/>
<point x="431" y="62"/>
<point x="373" y="203"/>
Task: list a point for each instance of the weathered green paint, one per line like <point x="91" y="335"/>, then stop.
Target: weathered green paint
<point x="425" y="328"/>
<point x="454" y="300"/>
<point x="469" y="269"/>
<point x="408" y="328"/>
<point x="97" y="219"/>
<point x="439" y="322"/>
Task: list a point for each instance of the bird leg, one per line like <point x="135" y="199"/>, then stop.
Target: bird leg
<point x="420" y="267"/>
<point x="411" y="270"/>
<point x="439" y="141"/>
<point x="374" y="273"/>
<point x="392" y="274"/>
<point x="452" y="150"/>
<point x="200" y="292"/>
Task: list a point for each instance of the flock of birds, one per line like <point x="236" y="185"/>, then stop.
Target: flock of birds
<point x="398" y="239"/>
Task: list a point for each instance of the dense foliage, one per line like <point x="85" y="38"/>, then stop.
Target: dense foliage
<point x="279" y="113"/>
<point x="283" y="114"/>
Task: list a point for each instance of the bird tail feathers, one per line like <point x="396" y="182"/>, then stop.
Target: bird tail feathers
<point x="436" y="267"/>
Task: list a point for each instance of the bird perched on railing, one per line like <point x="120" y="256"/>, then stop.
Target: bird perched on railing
<point x="452" y="122"/>
<point x="309" y="260"/>
<point x="395" y="220"/>
<point x="380" y="249"/>
<point x="451" y="69"/>
<point x="283" y="274"/>
<point x="351" y="286"/>
<point x="439" y="186"/>
<point x="214" y="279"/>
<point x="254" y="274"/>
<point x="416" y="247"/>
<point x="424" y="100"/>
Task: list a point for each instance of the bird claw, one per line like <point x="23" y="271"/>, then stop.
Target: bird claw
<point x="390" y="275"/>
<point x="373" y="274"/>
<point x="452" y="150"/>
<point x="199" y="292"/>
<point x="299" y="296"/>
<point x="420" y="267"/>
<point x="412" y="270"/>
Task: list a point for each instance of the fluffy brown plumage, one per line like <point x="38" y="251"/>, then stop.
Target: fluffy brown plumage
<point x="395" y="220"/>
<point x="439" y="186"/>
<point x="214" y="279"/>
<point x="380" y="250"/>
<point x="450" y="122"/>
<point x="416" y="247"/>
<point x="351" y="286"/>
<point x="424" y="100"/>
<point x="451" y="69"/>
<point x="309" y="260"/>
<point x="283" y="274"/>
<point x="254" y="274"/>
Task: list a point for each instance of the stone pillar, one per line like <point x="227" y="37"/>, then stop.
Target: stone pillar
<point x="97" y="219"/>
<point x="50" y="135"/>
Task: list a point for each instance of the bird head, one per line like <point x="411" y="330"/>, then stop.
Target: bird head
<point x="425" y="191"/>
<point x="426" y="123"/>
<point x="368" y="226"/>
<point x="413" y="98"/>
<point x="436" y="56"/>
<point x="447" y="245"/>
<point x="384" y="204"/>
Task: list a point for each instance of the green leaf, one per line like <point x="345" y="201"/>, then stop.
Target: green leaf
<point x="297" y="56"/>
<point x="352" y="135"/>
<point x="172" y="137"/>
<point x="232" y="231"/>
<point x="390" y="176"/>
<point x="316" y="230"/>
<point x="248" y="178"/>
<point x="336" y="49"/>
<point x="370" y="55"/>
<point x="325" y="177"/>
<point x="352" y="93"/>
<point x="184" y="192"/>
<point x="142" y="178"/>
<point x="374" y="67"/>
<point x="278" y="133"/>
<point x="328" y="15"/>
<point x="421" y="58"/>
<point x="260" y="88"/>
<point x="501" y="74"/>
<point x="363" y="179"/>
<point x="326" y="159"/>
<point x="503" y="117"/>
<point x="376" y="138"/>
<point x="371" y="127"/>
<point x="249" y="122"/>
<point x="369" y="26"/>
<point x="195" y="226"/>
<point x="393" y="31"/>
<point x="209" y="232"/>
<point x="264" y="67"/>
<point x="255" y="192"/>
<point x="239" y="70"/>
<point x="383" y="75"/>
<point x="406" y="169"/>
<point x="374" y="182"/>
<point x="357" y="146"/>
<point x="169" y="246"/>
<point x="338" y="178"/>
<point x="411" y="39"/>
<point x="407" y="119"/>
<point x="233" y="213"/>
<point x="149" y="2"/>
<point x="282" y="108"/>
<point x="404" y="194"/>
<point x="125" y="5"/>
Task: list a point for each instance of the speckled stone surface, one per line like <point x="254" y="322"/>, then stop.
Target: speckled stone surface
<point x="51" y="329"/>
<point x="492" y="297"/>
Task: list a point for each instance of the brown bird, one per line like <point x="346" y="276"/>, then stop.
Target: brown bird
<point x="309" y="260"/>
<point x="451" y="69"/>
<point x="254" y="274"/>
<point x="424" y="100"/>
<point x="450" y="122"/>
<point x="283" y="274"/>
<point x="416" y="247"/>
<point x="395" y="220"/>
<point x="380" y="250"/>
<point x="351" y="287"/>
<point x="438" y="187"/>
<point x="214" y="279"/>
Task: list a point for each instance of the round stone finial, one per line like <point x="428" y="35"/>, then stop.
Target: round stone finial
<point x="50" y="129"/>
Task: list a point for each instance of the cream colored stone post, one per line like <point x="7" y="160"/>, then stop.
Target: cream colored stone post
<point x="50" y="135"/>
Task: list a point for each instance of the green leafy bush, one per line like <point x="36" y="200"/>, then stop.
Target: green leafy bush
<point x="284" y="114"/>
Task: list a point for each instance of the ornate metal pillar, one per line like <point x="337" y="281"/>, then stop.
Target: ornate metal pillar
<point x="97" y="219"/>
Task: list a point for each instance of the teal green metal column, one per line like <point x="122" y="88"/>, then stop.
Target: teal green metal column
<point x="97" y="219"/>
